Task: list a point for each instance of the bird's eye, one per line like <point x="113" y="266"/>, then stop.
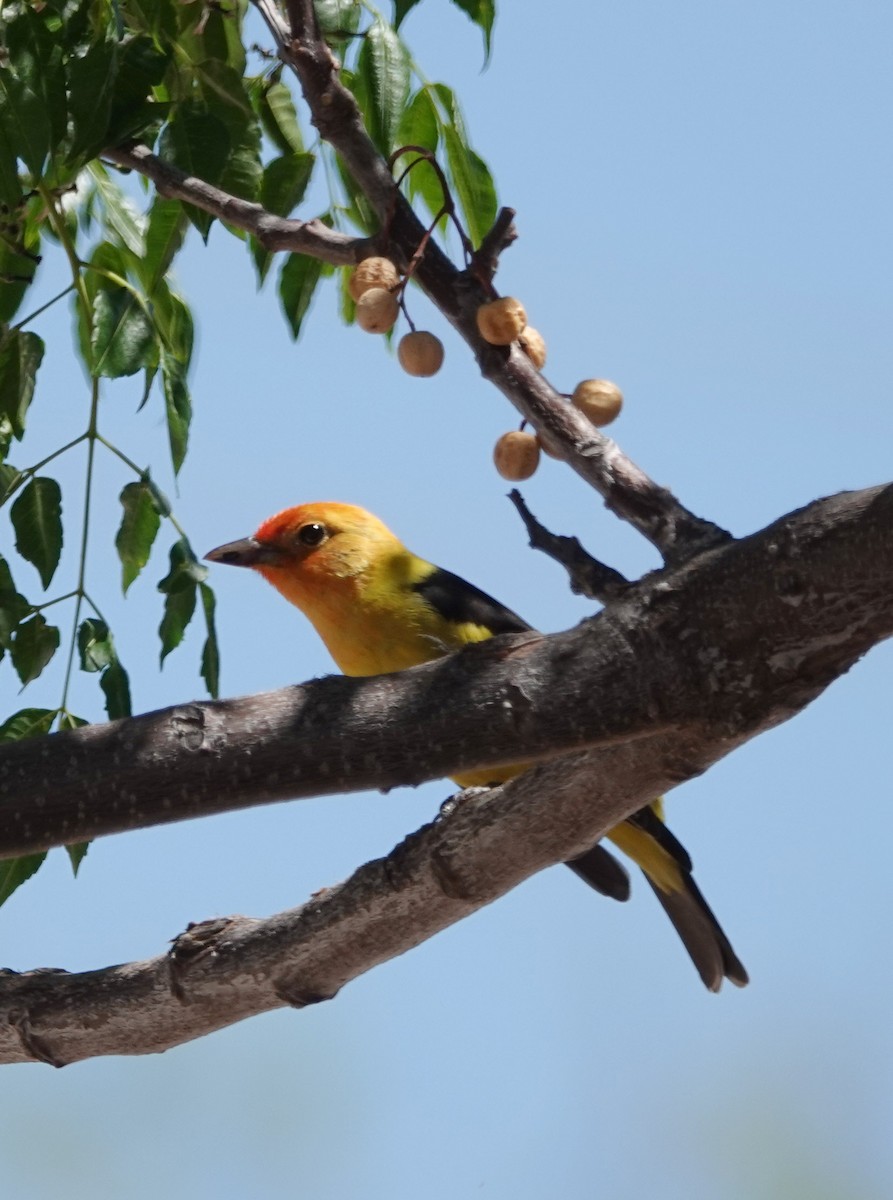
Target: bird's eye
<point x="312" y="535"/>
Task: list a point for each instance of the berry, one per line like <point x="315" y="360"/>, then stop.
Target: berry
<point x="420" y="353"/>
<point x="534" y="346"/>
<point x="598" y="399"/>
<point x="501" y="321"/>
<point x="377" y="310"/>
<point x="372" y="273"/>
<point x="516" y="455"/>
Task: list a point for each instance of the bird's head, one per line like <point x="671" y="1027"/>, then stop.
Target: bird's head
<point x="311" y="548"/>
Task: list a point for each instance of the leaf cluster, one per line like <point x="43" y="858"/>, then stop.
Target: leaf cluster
<point x="81" y="76"/>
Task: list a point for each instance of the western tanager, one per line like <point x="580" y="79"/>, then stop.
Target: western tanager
<point x="379" y="608"/>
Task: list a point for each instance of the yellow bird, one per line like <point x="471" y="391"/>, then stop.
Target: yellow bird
<point x="379" y="608"/>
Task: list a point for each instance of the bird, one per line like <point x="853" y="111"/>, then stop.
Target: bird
<point x="379" y="608"/>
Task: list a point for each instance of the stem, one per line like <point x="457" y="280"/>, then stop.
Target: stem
<point x="30" y="317"/>
<point x="143" y="474"/>
<point x="91" y="436"/>
<point x="61" y="232"/>
<point x="50" y="603"/>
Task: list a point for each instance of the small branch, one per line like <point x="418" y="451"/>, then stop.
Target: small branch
<point x="274" y="233"/>
<point x="588" y="576"/>
<point x="628" y="492"/>
<point x="499" y="237"/>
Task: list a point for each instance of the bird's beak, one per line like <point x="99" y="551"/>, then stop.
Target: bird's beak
<point x="247" y="552"/>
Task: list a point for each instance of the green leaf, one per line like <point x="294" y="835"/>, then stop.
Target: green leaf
<point x="139" y="526"/>
<point x="164" y="237"/>
<point x="297" y="283"/>
<point x="15" y="871"/>
<point x="452" y="109"/>
<point x="33" y="645"/>
<point x="420" y="126"/>
<point x="178" y="610"/>
<point x="26" y="123"/>
<point x="94" y="643"/>
<point x="173" y="321"/>
<point x="37" y="519"/>
<point x="483" y="13"/>
<point x="199" y="144"/>
<point x="225" y="98"/>
<point x="207" y="32"/>
<point x="123" y="340"/>
<point x="401" y="8"/>
<point x="338" y="17"/>
<point x="13" y="607"/>
<point x="185" y="569"/>
<point x="27" y="723"/>
<point x="116" y="687"/>
<point x="77" y="852"/>
<point x="34" y="52"/>
<point x="141" y="66"/>
<point x="359" y="210"/>
<point x="92" y="79"/>
<point x="68" y="720"/>
<point x="279" y="118"/>
<point x="19" y="256"/>
<point x="210" y="651"/>
<point x="11" y="190"/>
<point x="21" y="353"/>
<point x="473" y="183"/>
<point x="9" y="479"/>
<point x="383" y="68"/>
<point x="119" y="213"/>
<point x="179" y="585"/>
<point x="178" y="407"/>
<point x="285" y="182"/>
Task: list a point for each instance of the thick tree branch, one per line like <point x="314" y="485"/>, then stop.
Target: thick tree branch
<point x="224" y="970"/>
<point x="717" y="651"/>
<point x="757" y="626"/>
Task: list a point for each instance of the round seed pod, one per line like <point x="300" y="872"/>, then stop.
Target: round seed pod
<point x="534" y="346"/>
<point x="501" y="321"/>
<point x="377" y="310"/>
<point x="420" y="353"/>
<point x="516" y="455"/>
<point x="598" y="399"/>
<point x="372" y="272"/>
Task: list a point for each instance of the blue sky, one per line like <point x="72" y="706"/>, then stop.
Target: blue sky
<point x="703" y="196"/>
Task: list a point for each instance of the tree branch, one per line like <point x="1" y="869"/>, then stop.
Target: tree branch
<point x="273" y="233"/>
<point x="716" y="652"/>
<point x="628" y="492"/>
<point x="226" y="969"/>
<point x="588" y="576"/>
<point x="758" y="626"/>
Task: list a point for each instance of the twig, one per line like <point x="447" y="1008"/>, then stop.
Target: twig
<point x="499" y="237"/>
<point x="588" y="576"/>
<point x="274" y="233"/>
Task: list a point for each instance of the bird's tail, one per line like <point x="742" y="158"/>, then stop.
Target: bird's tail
<point x="666" y="864"/>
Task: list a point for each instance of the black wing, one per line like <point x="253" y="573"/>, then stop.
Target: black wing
<point x="459" y="601"/>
